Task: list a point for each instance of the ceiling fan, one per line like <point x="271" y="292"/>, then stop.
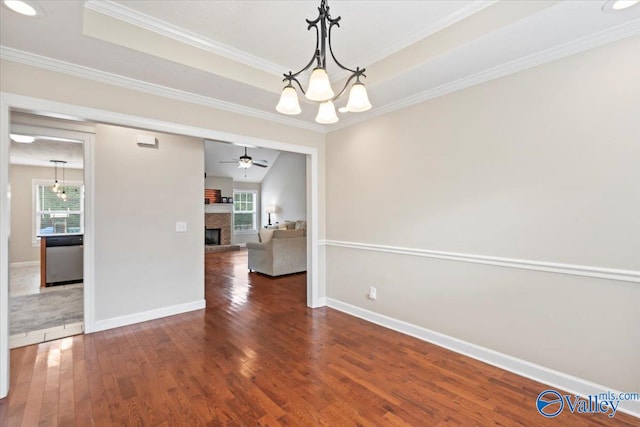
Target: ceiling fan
<point x="245" y="161"/>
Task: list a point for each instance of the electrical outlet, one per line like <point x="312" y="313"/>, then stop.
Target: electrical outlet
<point x="181" y="227"/>
<point x="372" y="293"/>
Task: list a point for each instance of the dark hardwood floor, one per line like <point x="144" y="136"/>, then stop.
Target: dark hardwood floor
<point x="258" y="356"/>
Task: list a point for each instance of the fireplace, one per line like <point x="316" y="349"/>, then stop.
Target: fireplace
<point x="212" y="236"/>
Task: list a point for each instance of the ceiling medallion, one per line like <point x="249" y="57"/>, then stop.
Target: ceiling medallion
<point x="319" y="89"/>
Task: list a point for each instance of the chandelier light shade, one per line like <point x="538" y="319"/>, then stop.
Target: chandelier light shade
<point x="319" y="86"/>
<point x="358" y="99"/>
<point x="319" y="89"/>
<point x="289" y="101"/>
<point x="327" y="113"/>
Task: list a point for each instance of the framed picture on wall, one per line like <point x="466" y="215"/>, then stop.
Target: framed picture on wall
<point x="224" y="200"/>
<point x="230" y="199"/>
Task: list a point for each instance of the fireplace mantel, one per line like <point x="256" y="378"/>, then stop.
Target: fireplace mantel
<point x="219" y="208"/>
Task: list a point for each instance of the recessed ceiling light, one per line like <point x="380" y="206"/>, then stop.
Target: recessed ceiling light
<point x="25" y="139"/>
<point x="616" y="5"/>
<point x="21" y="7"/>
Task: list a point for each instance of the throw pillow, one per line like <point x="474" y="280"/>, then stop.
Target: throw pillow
<point x="301" y="225"/>
<point x="265" y="235"/>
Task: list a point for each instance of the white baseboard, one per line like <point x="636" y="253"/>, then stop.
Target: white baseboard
<point x="521" y="367"/>
<point x="130" y="319"/>
<point x="25" y="264"/>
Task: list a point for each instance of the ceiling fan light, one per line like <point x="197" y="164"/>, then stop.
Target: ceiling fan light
<point x="327" y="113"/>
<point x="244" y="163"/>
<point x="319" y="86"/>
<point x="358" y="99"/>
<point x="289" y="101"/>
<point x="25" y="139"/>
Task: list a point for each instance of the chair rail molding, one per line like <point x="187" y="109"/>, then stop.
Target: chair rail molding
<point x="549" y="267"/>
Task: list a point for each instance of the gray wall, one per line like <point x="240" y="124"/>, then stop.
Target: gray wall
<point x="142" y="263"/>
<point x="541" y="165"/>
<point x="21" y="246"/>
<point x="285" y="186"/>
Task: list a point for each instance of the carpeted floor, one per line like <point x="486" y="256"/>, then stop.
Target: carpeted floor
<point x="45" y="310"/>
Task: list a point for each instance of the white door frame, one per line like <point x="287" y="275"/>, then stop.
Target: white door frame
<point x="9" y="101"/>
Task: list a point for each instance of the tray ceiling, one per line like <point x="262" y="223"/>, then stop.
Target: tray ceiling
<point x="231" y="54"/>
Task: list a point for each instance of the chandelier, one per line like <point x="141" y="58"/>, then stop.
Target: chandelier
<point x="319" y="89"/>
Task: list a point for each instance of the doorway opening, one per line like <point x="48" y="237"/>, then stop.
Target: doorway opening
<point x="12" y="102"/>
<point x="46" y="250"/>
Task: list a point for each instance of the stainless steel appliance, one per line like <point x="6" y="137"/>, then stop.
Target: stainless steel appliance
<point x="64" y="259"/>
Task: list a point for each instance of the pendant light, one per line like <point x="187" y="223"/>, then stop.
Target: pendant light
<point x="57" y="188"/>
<point x="63" y="194"/>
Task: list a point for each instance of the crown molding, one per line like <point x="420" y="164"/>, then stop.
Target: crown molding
<point x="139" y="19"/>
<point x="58" y="66"/>
<point x="628" y="29"/>
<point x="573" y="47"/>
<point x="441" y="24"/>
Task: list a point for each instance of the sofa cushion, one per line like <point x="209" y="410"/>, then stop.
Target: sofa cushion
<point x="287" y="234"/>
<point x="265" y="235"/>
<point x="301" y="225"/>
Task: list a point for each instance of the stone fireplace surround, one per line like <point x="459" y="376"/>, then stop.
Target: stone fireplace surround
<point x="221" y="221"/>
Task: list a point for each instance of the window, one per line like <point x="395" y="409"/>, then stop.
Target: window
<point x="244" y="210"/>
<point x="53" y="215"/>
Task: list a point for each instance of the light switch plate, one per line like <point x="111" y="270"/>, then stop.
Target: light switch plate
<point x="181" y="227"/>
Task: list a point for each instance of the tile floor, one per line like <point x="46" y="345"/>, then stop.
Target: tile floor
<point x="26" y="281"/>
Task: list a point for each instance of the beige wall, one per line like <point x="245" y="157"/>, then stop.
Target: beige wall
<point x="39" y="83"/>
<point x="31" y="81"/>
<point x="540" y="165"/>
<point x="21" y="246"/>
<point x="142" y="263"/>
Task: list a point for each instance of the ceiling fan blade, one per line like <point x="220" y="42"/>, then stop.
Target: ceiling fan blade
<point x="229" y="161"/>
<point x="259" y="165"/>
<point x="262" y="161"/>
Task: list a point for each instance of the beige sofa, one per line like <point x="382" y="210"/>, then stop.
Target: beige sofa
<point x="280" y="252"/>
